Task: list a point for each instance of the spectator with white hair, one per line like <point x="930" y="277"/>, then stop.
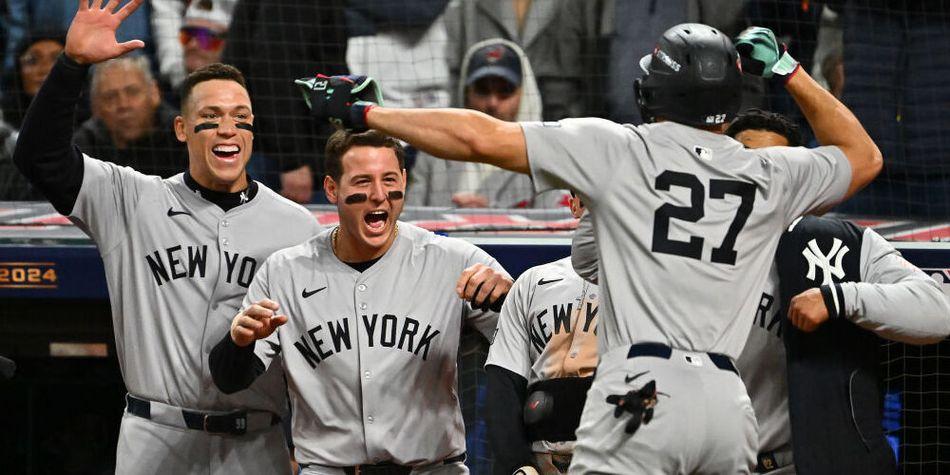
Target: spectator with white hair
<point x="130" y="125"/>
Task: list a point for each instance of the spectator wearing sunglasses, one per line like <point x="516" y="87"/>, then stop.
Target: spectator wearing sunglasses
<point x="189" y="34"/>
<point x="498" y="81"/>
<point x="203" y="33"/>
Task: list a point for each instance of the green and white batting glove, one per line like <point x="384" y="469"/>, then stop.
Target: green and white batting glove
<point x="344" y="101"/>
<point x="762" y="55"/>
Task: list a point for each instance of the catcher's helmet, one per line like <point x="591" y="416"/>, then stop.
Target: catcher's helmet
<point x="693" y="77"/>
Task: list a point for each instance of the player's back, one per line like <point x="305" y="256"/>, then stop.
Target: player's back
<point x="709" y="214"/>
<point x="687" y="222"/>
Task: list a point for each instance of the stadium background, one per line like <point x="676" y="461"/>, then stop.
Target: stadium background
<point x="887" y="60"/>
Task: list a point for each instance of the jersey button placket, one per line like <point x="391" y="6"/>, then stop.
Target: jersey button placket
<point x="222" y="232"/>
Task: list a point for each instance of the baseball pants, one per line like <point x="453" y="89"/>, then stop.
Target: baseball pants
<point x="148" y="447"/>
<point x="702" y="421"/>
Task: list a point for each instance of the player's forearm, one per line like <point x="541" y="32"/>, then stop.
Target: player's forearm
<point x="44" y="151"/>
<point x="455" y="134"/>
<point x="506" y="431"/>
<point x="914" y="311"/>
<point x="233" y="367"/>
<point x="834" y="124"/>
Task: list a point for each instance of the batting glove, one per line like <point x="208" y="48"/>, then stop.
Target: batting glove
<point x="762" y="55"/>
<point x="344" y="101"/>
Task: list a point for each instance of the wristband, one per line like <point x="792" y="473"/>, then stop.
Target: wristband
<point x="834" y="300"/>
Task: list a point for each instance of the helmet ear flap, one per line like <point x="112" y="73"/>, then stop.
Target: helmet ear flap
<point x="642" y="101"/>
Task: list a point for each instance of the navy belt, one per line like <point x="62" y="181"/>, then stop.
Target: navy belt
<point x="235" y="423"/>
<point x="387" y="468"/>
<point x="659" y="350"/>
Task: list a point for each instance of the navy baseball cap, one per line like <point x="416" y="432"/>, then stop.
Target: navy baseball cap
<point x="496" y="59"/>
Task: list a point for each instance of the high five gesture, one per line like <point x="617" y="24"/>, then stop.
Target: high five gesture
<point x="91" y="37"/>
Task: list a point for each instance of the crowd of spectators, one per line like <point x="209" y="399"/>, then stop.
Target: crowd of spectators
<point x="885" y="59"/>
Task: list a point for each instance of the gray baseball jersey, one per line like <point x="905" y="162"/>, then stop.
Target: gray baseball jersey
<point x="890" y="285"/>
<point x="547" y="329"/>
<point x="177" y="267"/>
<point x="696" y="214"/>
<point x="370" y="358"/>
<point x="762" y="361"/>
<point x="762" y="368"/>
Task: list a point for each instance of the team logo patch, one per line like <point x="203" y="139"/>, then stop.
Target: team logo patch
<point x="819" y="260"/>
<point x="494" y="54"/>
<point x="693" y="360"/>
<point x="703" y="152"/>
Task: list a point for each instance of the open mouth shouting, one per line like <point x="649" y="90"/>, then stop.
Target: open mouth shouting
<point x="226" y="152"/>
<point x="376" y="221"/>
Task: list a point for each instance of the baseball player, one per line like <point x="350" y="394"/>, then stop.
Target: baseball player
<point x="368" y="320"/>
<point x="687" y="224"/>
<point x="897" y="301"/>
<point x="542" y="359"/>
<point x="839" y="280"/>
<point x="179" y="255"/>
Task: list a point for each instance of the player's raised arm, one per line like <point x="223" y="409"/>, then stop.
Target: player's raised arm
<point x="44" y="152"/>
<point x="833" y="123"/>
<point x="454" y="134"/>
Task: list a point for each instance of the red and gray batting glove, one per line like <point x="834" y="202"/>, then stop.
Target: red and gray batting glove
<point x="344" y="101"/>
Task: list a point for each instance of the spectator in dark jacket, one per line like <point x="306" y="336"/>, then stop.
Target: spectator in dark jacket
<point x="130" y="124"/>
<point x="34" y="58"/>
<point x="273" y="43"/>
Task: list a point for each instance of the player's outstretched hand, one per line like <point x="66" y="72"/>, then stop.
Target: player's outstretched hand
<point x="91" y="36"/>
<point x="344" y="101"/>
<point x="256" y="322"/>
<point x="807" y="310"/>
<point x="484" y="287"/>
